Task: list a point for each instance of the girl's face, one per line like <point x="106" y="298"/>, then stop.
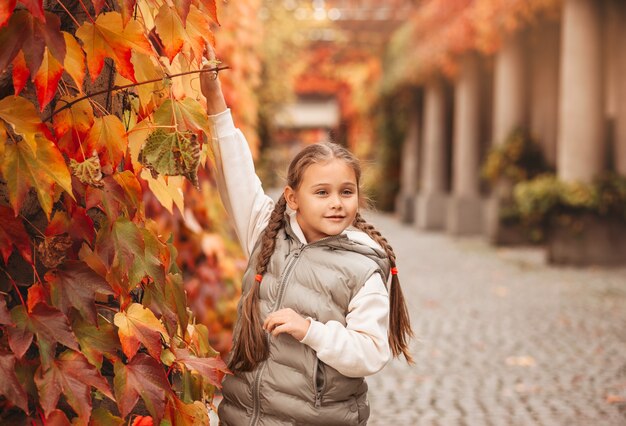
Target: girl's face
<point x="326" y="201"/>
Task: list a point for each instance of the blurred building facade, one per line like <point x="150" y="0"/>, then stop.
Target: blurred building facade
<point x="561" y="74"/>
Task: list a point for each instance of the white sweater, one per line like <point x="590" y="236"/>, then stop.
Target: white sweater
<point x="361" y="347"/>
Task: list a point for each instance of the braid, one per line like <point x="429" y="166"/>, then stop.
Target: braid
<point x="251" y="346"/>
<point x="399" y="322"/>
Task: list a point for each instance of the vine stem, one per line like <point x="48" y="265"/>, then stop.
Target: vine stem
<point x="126" y="86"/>
<point x="17" y="290"/>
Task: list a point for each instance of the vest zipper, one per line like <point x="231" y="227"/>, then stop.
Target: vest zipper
<point x="256" y="409"/>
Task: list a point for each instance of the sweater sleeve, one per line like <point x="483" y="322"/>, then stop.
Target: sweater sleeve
<point x="239" y="187"/>
<point x="361" y="348"/>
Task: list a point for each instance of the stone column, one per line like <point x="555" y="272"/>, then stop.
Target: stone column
<point x="544" y="90"/>
<point x="581" y="145"/>
<point x="510" y="88"/>
<point x="431" y="202"/>
<point x="620" y="118"/>
<point x="405" y="202"/>
<point x="465" y="215"/>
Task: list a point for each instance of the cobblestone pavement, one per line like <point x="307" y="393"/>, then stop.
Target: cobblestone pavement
<point x="503" y="339"/>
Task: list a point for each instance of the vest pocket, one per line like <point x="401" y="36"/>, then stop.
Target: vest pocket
<point x="319" y="381"/>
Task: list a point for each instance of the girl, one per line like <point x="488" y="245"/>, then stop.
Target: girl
<point x="316" y="316"/>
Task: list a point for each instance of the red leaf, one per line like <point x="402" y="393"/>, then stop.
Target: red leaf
<point x="72" y="125"/>
<point x="10" y="386"/>
<point x="182" y="7"/>
<point x="28" y="33"/>
<point x="128" y="8"/>
<point x="20" y="73"/>
<point x="47" y="79"/>
<point x="57" y="418"/>
<point x="36" y="294"/>
<point x="98" y="5"/>
<point x="72" y="375"/>
<point x="96" y="341"/>
<point x="20" y="336"/>
<point x="143" y="421"/>
<point x="6" y="10"/>
<point x="36" y="8"/>
<point x="5" y="316"/>
<point x="212" y="369"/>
<point x="143" y="376"/>
<point x="13" y="233"/>
<point x="74" y="285"/>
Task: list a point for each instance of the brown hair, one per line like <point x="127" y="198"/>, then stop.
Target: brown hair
<point x="251" y="345"/>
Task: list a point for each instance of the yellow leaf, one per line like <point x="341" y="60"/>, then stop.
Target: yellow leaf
<point x="74" y="62"/>
<point x="23" y="118"/>
<point x="170" y="30"/>
<point x="139" y="325"/>
<point x="168" y="192"/>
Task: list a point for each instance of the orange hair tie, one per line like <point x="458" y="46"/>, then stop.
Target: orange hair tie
<point x="258" y="278"/>
<point x="394" y="271"/>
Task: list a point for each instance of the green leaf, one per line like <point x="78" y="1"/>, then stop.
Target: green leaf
<point x="102" y="417"/>
<point x="143" y="376"/>
<point x="139" y="325"/>
<point x="186" y="115"/>
<point x="172" y="154"/>
<point x="97" y="341"/>
<point x="10" y="386"/>
<point x="74" y="285"/>
<point x="73" y="376"/>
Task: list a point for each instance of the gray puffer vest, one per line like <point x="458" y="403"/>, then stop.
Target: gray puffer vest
<point x="293" y="387"/>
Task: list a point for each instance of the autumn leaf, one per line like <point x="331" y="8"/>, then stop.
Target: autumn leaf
<point x="10" y="386"/>
<point x="210" y="7"/>
<point x="186" y="114"/>
<point x="179" y="413"/>
<point x="171" y="31"/>
<point x="171" y="154"/>
<point x="74" y="285"/>
<point x="20" y="73"/>
<point x="47" y="79"/>
<point x="108" y="138"/>
<point x="103" y="417"/>
<point x="32" y="36"/>
<point x="73" y="376"/>
<point x="143" y="421"/>
<point x="13" y="233"/>
<point x="146" y="68"/>
<point x="89" y="171"/>
<point x="168" y="190"/>
<point x="42" y="169"/>
<point x="36" y="294"/>
<point x="97" y="341"/>
<point x="35" y="7"/>
<point x="5" y="316"/>
<point x="74" y="62"/>
<point x="107" y="37"/>
<point x="6" y="10"/>
<point x="23" y="119"/>
<point x="139" y="325"/>
<point x="57" y="418"/>
<point x="182" y="8"/>
<point x="144" y="376"/>
<point x="213" y="369"/>
<point x="73" y="221"/>
<point x="72" y="125"/>
<point x="199" y="33"/>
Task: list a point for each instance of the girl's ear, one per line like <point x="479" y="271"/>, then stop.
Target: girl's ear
<point x="290" y="197"/>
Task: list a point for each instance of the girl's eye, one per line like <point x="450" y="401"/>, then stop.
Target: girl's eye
<point x="321" y="192"/>
<point x="348" y="192"/>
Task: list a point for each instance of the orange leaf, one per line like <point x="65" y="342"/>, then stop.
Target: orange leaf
<point x="139" y="325"/>
<point x="36" y="294"/>
<point x="198" y="33"/>
<point x="128" y="8"/>
<point x="74" y="62"/>
<point x="6" y="10"/>
<point x="182" y="7"/>
<point x="72" y="125"/>
<point x="170" y="30"/>
<point x="143" y="421"/>
<point x="107" y="37"/>
<point x="47" y="79"/>
<point x="20" y="73"/>
<point x="98" y="5"/>
<point x="23" y="118"/>
<point x="23" y="169"/>
<point x="108" y="138"/>
<point x="211" y="9"/>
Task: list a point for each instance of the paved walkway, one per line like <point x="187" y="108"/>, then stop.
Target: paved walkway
<point x="503" y="339"/>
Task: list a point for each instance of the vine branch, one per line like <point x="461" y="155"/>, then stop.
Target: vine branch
<point x="127" y="86"/>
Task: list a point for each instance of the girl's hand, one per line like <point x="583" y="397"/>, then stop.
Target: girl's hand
<point x="286" y="321"/>
<point x="211" y="87"/>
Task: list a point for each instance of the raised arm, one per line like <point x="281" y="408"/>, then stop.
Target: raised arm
<point x="239" y="187"/>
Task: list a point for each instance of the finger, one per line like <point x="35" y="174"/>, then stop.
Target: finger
<point x="280" y="329"/>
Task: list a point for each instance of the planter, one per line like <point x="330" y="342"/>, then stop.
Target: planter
<point x="588" y="240"/>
